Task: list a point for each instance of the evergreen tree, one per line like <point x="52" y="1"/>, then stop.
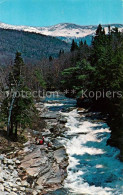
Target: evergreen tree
<point x="18" y="68"/>
<point x="50" y="58"/>
<point x="85" y="42"/>
<point x="99" y="30"/>
<point x="78" y="78"/>
<point x="74" y="46"/>
<point x="101" y="71"/>
<point x="17" y="106"/>
<point x="61" y="52"/>
<point x="40" y="80"/>
<point x="81" y="44"/>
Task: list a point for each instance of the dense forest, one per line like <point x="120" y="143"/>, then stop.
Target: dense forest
<point x="33" y="46"/>
<point x="91" y="73"/>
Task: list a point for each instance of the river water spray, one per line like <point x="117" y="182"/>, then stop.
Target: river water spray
<point x="94" y="167"/>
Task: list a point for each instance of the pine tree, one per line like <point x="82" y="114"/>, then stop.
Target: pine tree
<point x="61" y="52"/>
<point x="108" y="62"/>
<point x="50" y="58"/>
<point x="74" y="46"/>
<point x="78" y="78"/>
<point x="85" y="42"/>
<point x="81" y="44"/>
<point x="16" y="106"/>
<point x="99" y="30"/>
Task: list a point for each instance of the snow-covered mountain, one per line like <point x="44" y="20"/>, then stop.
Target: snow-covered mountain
<point x="70" y="31"/>
<point x="64" y="31"/>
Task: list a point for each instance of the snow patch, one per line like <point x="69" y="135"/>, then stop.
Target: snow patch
<point x="61" y="30"/>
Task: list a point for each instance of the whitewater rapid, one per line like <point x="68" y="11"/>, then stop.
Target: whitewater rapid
<point x="94" y="167"/>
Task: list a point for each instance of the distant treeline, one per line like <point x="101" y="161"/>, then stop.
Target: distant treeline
<point x="33" y="46"/>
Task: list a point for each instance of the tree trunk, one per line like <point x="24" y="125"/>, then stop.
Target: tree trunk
<point x="16" y="127"/>
<point x="10" y="113"/>
<point x="11" y="129"/>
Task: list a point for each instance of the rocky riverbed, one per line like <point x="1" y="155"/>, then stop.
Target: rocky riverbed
<point x="36" y="169"/>
<point x="39" y="169"/>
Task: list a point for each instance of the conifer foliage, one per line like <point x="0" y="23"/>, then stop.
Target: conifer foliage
<point x="101" y="70"/>
<point x="18" y="102"/>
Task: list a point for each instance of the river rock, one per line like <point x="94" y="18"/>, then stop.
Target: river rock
<point x="1" y="180"/>
<point x="14" y="173"/>
<point x="62" y="120"/>
<point x="10" y="162"/>
<point x="22" y="189"/>
<point x="11" y="184"/>
<point x="46" y="133"/>
<point x="17" y="162"/>
<point x="34" y="161"/>
<point x="50" y="115"/>
<point x="1" y="157"/>
<point x="18" y="183"/>
<point x="1" y="187"/>
<point x="60" y="155"/>
<point x="25" y="184"/>
<point x="13" y="193"/>
<point x="80" y="110"/>
<point x="28" y="190"/>
<point x="5" y="176"/>
<point x="34" y="192"/>
<point x="39" y="187"/>
<point x="57" y="144"/>
<point x="14" y="189"/>
<point x="7" y="189"/>
<point x="10" y="167"/>
<point x="5" y="161"/>
<point x="18" y="179"/>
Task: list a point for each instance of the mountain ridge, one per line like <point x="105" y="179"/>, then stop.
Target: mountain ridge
<point x="41" y="42"/>
<point x="68" y="30"/>
<point x="33" y="46"/>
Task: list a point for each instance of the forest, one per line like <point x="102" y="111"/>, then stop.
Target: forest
<point x="93" y="74"/>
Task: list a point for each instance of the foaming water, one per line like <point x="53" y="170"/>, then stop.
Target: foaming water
<point x="93" y="165"/>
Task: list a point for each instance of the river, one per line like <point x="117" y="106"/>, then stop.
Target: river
<point x="94" y="167"/>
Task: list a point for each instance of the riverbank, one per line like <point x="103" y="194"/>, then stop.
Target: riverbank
<point x="36" y="169"/>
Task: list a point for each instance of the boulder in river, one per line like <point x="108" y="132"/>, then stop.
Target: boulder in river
<point x="62" y="120"/>
<point x="50" y="115"/>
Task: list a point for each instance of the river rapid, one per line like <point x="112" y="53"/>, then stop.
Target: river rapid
<point x="94" y="167"/>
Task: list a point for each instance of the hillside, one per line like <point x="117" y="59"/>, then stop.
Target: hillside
<point x="37" y="42"/>
<point x="64" y="31"/>
<point x="33" y="46"/>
